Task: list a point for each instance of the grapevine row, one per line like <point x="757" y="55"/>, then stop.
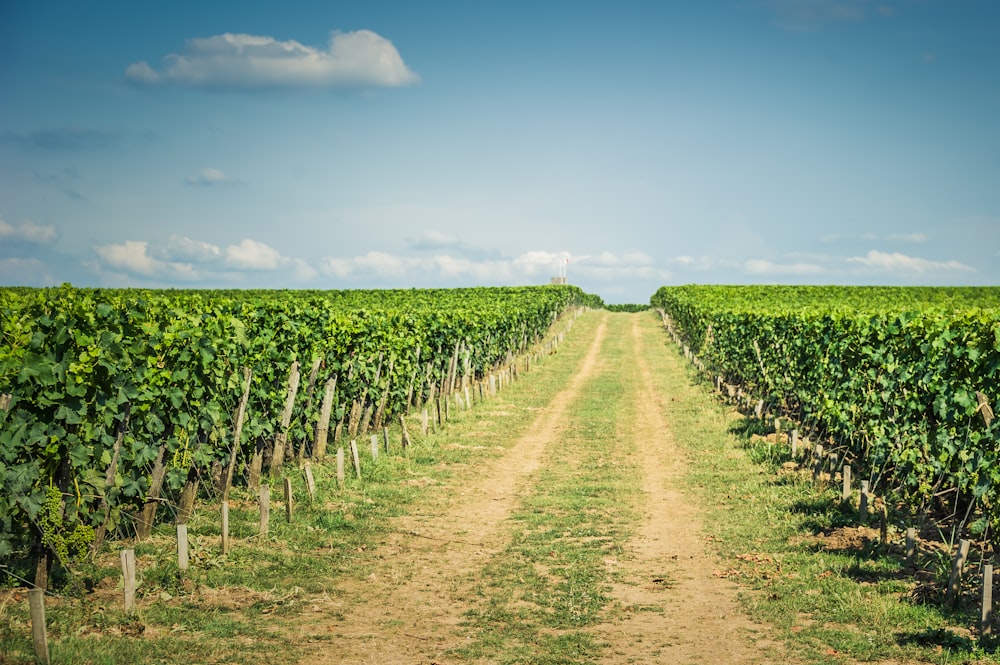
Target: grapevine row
<point x="903" y="380"/>
<point x="105" y="389"/>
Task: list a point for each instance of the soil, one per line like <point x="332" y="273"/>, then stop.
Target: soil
<point x="410" y="609"/>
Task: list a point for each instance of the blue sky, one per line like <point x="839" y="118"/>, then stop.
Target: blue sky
<point x="401" y="144"/>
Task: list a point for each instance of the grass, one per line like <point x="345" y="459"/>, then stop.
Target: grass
<point x="842" y="604"/>
<point x="540" y="596"/>
<point x="539" y="599"/>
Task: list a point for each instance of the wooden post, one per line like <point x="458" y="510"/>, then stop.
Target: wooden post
<point x="986" y="613"/>
<point x="288" y="500"/>
<point x="128" y="578"/>
<point x="911" y="546"/>
<point x="340" y="468"/>
<point x="957" y="566"/>
<point x="374" y="440"/>
<point x="144" y="525"/>
<point x="795" y="444"/>
<point x="323" y="427"/>
<point x="817" y="462"/>
<point x="39" y="635"/>
<point x="846" y="493"/>
<point x="468" y="398"/>
<point x="310" y="481"/>
<point x="225" y="527"/>
<point x="404" y="436"/>
<point x="863" y="503"/>
<point x="385" y="438"/>
<point x="281" y="438"/>
<point x="354" y="456"/>
<point x="265" y="508"/>
<point x="182" y="547"/>
<point x="109" y="479"/>
<point x="241" y="412"/>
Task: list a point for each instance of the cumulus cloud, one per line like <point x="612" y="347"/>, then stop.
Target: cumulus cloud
<point x="187" y="260"/>
<point x="27" y="232"/>
<point x="529" y="267"/>
<point x="209" y="177"/>
<point x="133" y="257"/>
<point x="180" y="248"/>
<point x="253" y="255"/>
<point x="241" y="61"/>
<point x="895" y="262"/>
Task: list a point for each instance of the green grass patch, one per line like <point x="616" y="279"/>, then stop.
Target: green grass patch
<point x="774" y="532"/>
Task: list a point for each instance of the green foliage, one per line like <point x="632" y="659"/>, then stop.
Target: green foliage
<point x="891" y="375"/>
<point x="74" y="361"/>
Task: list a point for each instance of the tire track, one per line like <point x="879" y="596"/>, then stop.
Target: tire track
<point x="411" y="607"/>
<point x="670" y="567"/>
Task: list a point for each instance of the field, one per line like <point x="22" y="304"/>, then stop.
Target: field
<point x="593" y="498"/>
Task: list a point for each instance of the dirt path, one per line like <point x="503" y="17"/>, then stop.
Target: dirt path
<point x="410" y="608"/>
<point x="670" y="565"/>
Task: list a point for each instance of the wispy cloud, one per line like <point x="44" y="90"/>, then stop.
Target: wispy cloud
<point x="762" y="267"/>
<point x="808" y="15"/>
<point x="210" y="177"/>
<point x="897" y="263"/>
<point x="242" y="61"/>
<point x="27" y="232"/>
<point x="64" y="138"/>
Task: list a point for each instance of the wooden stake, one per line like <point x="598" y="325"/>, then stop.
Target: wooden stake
<point x="846" y="493"/>
<point x="182" y="547"/>
<point x="817" y="461"/>
<point x="385" y="438"/>
<point x="957" y="566"/>
<point x="986" y="613"/>
<point x="281" y="438"/>
<point x="795" y="444"/>
<point x="374" y="440"/>
<point x="340" y="468"/>
<point x="357" y="459"/>
<point x="225" y="527"/>
<point x="128" y="578"/>
<point x="241" y="413"/>
<point x="863" y="503"/>
<point x="310" y="481"/>
<point x="39" y="635"/>
<point x="265" y="508"/>
<point x="288" y="500"/>
<point x="323" y="427"/>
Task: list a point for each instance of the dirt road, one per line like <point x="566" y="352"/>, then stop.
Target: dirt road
<point x="411" y="607"/>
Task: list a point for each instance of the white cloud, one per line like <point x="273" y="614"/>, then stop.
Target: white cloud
<point x="241" y="61"/>
<point x="253" y="255"/>
<point x="208" y="177"/>
<point x="529" y="267"/>
<point x="179" y="248"/>
<point x="900" y="263"/>
<point x="133" y="257"/>
<point x="764" y="267"/>
<point x="27" y="231"/>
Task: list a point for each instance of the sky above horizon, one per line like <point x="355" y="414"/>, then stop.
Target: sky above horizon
<point x="627" y="145"/>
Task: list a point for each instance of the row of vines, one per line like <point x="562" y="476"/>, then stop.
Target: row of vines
<point x="902" y="382"/>
<point x="112" y="399"/>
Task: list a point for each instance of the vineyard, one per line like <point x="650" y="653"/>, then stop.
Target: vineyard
<point x="118" y="402"/>
<point x="557" y="520"/>
<point x="899" y="383"/>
